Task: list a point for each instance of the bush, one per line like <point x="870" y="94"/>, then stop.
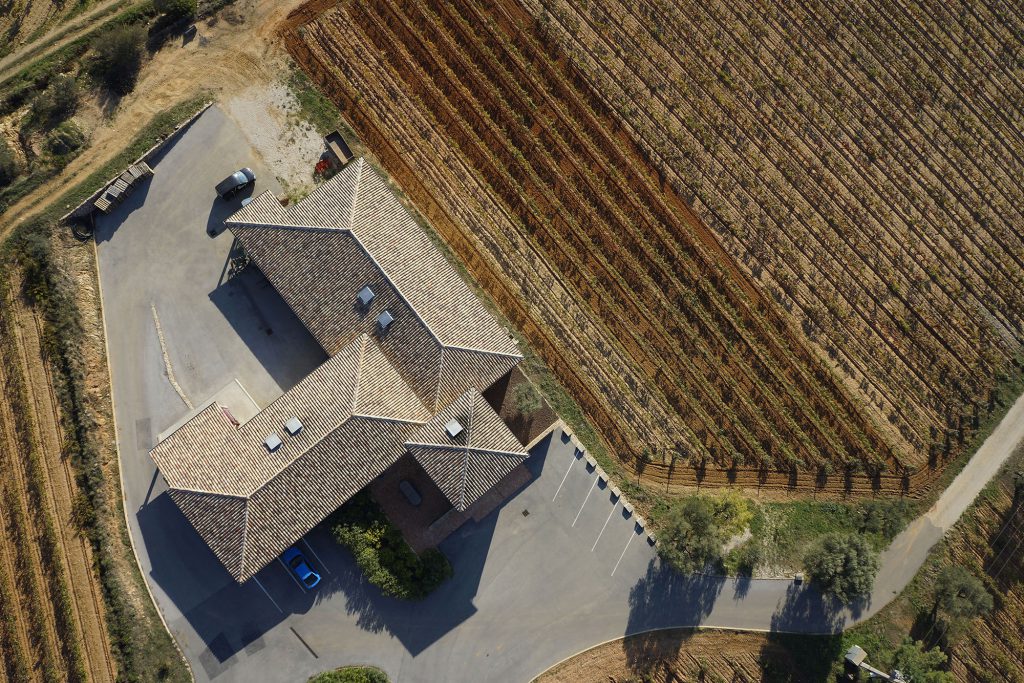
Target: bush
<point x="383" y="555"/>
<point x="176" y="9"/>
<point x="920" y="665"/>
<point x="118" y="57"/>
<point x="352" y="674"/>
<point x="526" y="398"/>
<point x="884" y="517"/>
<point x="843" y="565"/>
<point x="691" y="537"/>
<point x="9" y="167"/>
<point x="58" y="102"/>
<point x="65" y="139"/>
<point x="746" y="557"/>
<point x="960" y="594"/>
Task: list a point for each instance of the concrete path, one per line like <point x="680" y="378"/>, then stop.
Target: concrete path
<point x="561" y="566"/>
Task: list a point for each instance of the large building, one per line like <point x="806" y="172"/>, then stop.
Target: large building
<point x="411" y="349"/>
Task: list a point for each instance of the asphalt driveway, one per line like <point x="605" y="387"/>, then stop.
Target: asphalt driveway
<point x="559" y="567"/>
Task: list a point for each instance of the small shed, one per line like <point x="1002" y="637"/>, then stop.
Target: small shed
<point x="338" y="148"/>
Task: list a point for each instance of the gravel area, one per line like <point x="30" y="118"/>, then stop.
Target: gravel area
<point x="290" y="147"/>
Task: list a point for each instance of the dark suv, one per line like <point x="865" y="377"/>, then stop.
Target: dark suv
<point x="235" y="183"/>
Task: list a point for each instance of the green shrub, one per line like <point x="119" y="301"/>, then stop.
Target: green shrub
<point x="525" y="397"/>
<point x="745" y="558"/>
<point x="176" y="9"/>
<point x="65" y="139"/>
<point x="383" y="555"/>
<point x="9" y="166"/>
<point x="691" y="537"/>
<point x="118" y="57"/>
<point x="843" y="565"/>
<point x="351" y="674"/>
<point x="884" y="517"/>
<point x="57" y="103"/>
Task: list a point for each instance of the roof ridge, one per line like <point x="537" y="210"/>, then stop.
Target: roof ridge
<point x="360" y="163"/>
<point x="245" y="537"/>
<point x="460" y="447"/>
<point x="363" y="338"/>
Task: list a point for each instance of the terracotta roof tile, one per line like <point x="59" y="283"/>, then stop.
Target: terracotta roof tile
<point x="468" y="465"/>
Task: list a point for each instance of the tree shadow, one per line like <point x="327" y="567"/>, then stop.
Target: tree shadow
<point x="661" y="599"/>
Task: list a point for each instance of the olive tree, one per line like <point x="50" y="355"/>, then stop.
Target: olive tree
<point x="960" y="594"/>
<point x="691" y="537"/>
<point x="843" y="565"/>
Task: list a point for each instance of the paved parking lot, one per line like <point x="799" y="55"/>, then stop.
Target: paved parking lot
<point x="557" y="568"/>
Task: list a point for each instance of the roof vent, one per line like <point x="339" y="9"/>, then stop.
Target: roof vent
<point x="365" y="295"/>
<point x="454" y="428"/>
<point x="293" y="426"/>
<point x="272" y="442"/>
<point x="384" y="320"/>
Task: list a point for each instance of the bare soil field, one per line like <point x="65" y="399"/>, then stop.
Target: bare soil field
<point x="54" y="616"/>
<point x="685" y="655"/>
<point x="676" y="350"/>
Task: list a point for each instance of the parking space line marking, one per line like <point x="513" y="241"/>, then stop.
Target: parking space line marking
<point x="268" y="595"/>
<point x="564" y="477"/>
<point x="584" y="502"/>
<point x="610" y="513"/>
<point x="289" y="573"/>
<point x="631" y="535"/>
<point x="310" y="548"/>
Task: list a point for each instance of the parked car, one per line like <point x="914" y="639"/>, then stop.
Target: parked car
<point x="236" y="182"/>
<point x="299" y="565"/>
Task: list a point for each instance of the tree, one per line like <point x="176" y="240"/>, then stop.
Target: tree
<point x="176" y="9"/>
<point x="960" y="594"/>
<point x="884" y="517"/>
<point x="118" y="58"/>
<point x="844" y="565"/>
<point x="525" y="397"/>
<point x="691" y="537"/>
<point x="9" y="167"/>
<point x="920" y="665"/>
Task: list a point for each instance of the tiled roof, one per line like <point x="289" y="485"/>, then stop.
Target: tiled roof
<point x="353" y="231"/>
<point x="360" y="408"/>
<point x="249" y="503"/>
<point x="467" y="465"/>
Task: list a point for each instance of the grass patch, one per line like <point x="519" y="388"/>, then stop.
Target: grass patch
<point x="383" y="555"/>
<point x="352" y="674"/>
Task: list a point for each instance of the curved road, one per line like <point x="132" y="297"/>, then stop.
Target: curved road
<point x="559" y="567"/>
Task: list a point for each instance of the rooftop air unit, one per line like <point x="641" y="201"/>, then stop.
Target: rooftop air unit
<point x="272" y="442"/>
<point x="293" y="426"/>
<point x="384" y="320"/>
<point x="365" y="295"/>
<point x="453" y="428"/>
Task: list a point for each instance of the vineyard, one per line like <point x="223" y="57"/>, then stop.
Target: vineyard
<point x="665" y="340"/>
<point x="52" y="617"/>
<point x="992" y="545"/>
<point x="860" y="160"/>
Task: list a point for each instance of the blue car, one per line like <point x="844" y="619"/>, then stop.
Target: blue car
<point x="297" y="562"/>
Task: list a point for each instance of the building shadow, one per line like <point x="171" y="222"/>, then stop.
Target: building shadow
<point x="267" y="326"/>
<point x="232" y="618"/>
